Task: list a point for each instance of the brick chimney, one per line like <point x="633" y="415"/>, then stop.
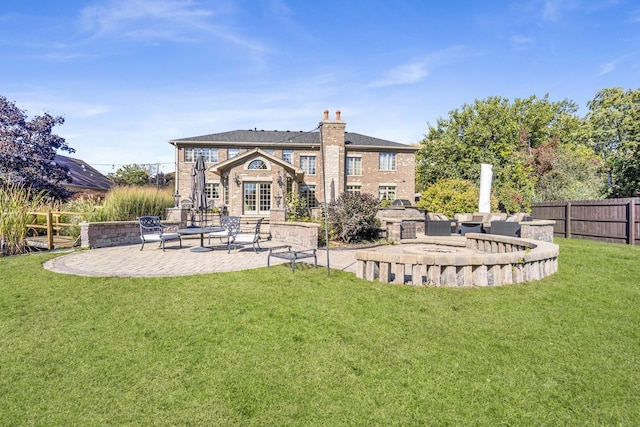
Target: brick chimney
<point x="334" y="155"/>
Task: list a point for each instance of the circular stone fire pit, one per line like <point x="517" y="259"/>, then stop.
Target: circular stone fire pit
<point x="486" y="259"/>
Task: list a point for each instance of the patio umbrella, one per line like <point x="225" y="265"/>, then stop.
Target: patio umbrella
<point x="198" y="195"/>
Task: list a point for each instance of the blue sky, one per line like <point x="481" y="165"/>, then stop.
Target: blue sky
<point x="129" y="75"/>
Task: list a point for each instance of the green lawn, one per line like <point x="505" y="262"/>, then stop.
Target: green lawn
<point x="269" y="347"/>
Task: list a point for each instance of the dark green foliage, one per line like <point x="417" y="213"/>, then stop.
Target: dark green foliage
<point x="28" y="149"/>
<point x="130" y="175"/>
<point x="614" y="131"/>
<point x="524" y="140"/>
<point x="352" y="217"/>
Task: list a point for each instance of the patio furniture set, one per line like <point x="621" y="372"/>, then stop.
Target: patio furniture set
<point x="491" y="223"/>
<point x="151" y="230"/>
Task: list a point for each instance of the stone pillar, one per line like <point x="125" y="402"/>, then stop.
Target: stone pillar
<point x="177" y="215"/>
<point x="333" y="156"/>
<point x="277" y="215"/>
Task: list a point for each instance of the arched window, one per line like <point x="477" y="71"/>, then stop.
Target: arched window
<point x="257" y="164"/>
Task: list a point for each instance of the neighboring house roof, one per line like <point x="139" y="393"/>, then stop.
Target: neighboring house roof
<point x="288" y="137"/>
<point x="83" y="176"/>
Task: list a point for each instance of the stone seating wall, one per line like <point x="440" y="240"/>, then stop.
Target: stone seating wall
<point x="503" y="260"/>
<point x="302" y="235"/>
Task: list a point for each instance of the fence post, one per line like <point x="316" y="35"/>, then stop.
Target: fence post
<point x="631" y="221"/>
<point x="49" y="230"/>
<point x="567" y="221"/>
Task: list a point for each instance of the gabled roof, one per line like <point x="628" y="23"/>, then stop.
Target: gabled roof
<point x="82" y="175"/>
<point x="286" y="137"/>
<point x="219" y="168"/>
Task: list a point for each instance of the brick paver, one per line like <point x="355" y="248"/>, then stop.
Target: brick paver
<point x="130" y="261"/>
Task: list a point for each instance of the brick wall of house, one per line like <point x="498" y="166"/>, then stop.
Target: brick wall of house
<point x="403" y="178"/>
<point x="333" y="132"/>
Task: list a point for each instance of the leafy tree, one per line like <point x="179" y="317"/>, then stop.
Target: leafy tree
<point x="568" y="174"/>
<point x="28" y="149"/>
<point x="614" y="132"/>
<point x="352" y="217"/>
<point x="502" y="133"/>
<point x="133" y="174"/>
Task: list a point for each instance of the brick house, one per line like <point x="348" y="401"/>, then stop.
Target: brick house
<point x="251" y="171"/>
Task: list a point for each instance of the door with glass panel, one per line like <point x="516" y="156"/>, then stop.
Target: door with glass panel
<point x="256" y="198"/>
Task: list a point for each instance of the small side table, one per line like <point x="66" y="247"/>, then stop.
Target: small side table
<point x="470" y="227"/>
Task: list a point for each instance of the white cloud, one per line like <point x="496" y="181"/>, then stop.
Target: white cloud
<point x="553" y="8"/>
<point x="419" y="70"/>
<point x="404" y="74"/>
<point x="607" y="68"/>
<point x="521" y="42"/>
<point x="181" y="21"/>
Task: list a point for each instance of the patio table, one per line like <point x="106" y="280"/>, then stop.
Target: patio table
<point x="201" y="231"/>
<point x="470" y="227"/>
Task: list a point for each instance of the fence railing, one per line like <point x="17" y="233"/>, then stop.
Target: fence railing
<point x="606" y="220"/>
<point x="56" y="232"/>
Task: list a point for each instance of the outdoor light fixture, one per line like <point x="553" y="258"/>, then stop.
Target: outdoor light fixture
<point x="176" y="199"/>
<point x="236" y="179"/>
<point x="280" y="180"/>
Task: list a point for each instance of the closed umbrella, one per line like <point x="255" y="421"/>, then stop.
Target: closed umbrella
<point x="199" y="196"/>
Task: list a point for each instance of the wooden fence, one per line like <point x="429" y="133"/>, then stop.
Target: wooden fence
<point x="51" y="232"/>
<point x="606" y="220"/>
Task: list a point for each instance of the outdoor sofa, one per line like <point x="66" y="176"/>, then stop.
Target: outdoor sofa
<point x="511" y="226"/>
<point x="437" y="224"/>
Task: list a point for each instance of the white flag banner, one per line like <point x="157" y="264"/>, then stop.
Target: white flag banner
<point x="486" y="175"/>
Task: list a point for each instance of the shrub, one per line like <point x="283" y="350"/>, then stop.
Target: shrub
<point x="352" y="217"/>
<point x="16" y="201"/>
<point x="451" y="196"/>
<point x="297" y="209"/>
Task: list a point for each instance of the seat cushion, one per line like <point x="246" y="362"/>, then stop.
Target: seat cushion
<point x="170" y="236"/>
<point x="151" y="237"/>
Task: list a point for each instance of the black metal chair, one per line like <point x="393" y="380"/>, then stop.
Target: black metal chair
<point x="151" y="230"/>
<point x="236" y="237"/>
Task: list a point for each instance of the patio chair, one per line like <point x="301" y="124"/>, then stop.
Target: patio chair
<point x="236" y="237"/>
<point x="224" y="223"/>
<point x="151" y="230"/>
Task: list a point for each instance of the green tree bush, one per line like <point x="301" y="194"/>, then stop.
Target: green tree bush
<point x="352" y="217"/>
<point x="509" y="136"/>
<point x="614" y="132"/>
<point x="451" y="196"/>
<point x="130" y="175"/>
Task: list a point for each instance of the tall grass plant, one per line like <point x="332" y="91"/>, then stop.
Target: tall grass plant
<point x="16" y="202"/>
<point x="124" y="203"/>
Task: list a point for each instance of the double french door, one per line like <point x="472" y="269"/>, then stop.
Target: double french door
<point x="256" y="198"/>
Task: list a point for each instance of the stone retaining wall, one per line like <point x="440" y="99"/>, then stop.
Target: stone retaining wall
<point x="504" y="260"/>
<point x="113" y="233"/>
<point x="539" y="229"/>
<point x="300" y="234"/>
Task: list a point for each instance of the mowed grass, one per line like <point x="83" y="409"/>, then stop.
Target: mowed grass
<point x="269" y="347"/>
